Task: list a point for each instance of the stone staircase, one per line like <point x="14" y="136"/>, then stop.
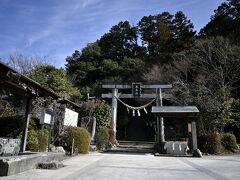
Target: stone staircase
<point x="134" y="147"/>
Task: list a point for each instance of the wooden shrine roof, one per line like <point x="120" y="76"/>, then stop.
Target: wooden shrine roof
<point x="19" y="84"/>
<point x="175" y="111"/>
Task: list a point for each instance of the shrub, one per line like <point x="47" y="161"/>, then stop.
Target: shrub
<point x="32" y="142"/>
<point x="210" y="143"/>
<point x="103" y="115"/>
<point x="37" y="141"/>
<point x="81" y="139"/>
<point x="43" y="140"/>
<point x="229" y="141"/>
<point x="102" y="138"/>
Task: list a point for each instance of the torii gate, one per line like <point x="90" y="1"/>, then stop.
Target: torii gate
<point x="136" y="93"/>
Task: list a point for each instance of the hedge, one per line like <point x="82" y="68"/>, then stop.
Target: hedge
<point x="229" y="141"/>
<point x="102" y="138"/>
<point x="37" y="141"/>
<point x="81" y="138"/>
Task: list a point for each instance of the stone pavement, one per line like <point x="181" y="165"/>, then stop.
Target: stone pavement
<point x="98" y="166"/>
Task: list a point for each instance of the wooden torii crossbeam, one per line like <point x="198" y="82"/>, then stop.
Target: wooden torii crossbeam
<point x="127" y="86"/>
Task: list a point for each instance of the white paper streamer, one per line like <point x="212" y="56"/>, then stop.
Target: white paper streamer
<point x="138" y="113"/>
<point x="145" y="110"/>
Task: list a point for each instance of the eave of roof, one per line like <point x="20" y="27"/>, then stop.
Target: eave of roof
<point x="6" y="81"/>
<point x="175" y="111"/>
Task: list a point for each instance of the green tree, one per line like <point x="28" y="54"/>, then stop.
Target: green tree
<point x="156" y="32"/>
<point x="225" y="22"/>
<point x="132" y="69"/>
<point x="120" y="42"/>
<point x="109" y="70"/>
<point x="164" y="34"/>
<point x="56" y="80"/>
<point x="183" y="32"/>
<point x="81" y="67"/>
<point x="92" y="52"/>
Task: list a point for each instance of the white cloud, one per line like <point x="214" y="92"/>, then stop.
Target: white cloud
<point x="64" y="15"/>
<point x="89" y="2"/>
<point x="57" y="28"/>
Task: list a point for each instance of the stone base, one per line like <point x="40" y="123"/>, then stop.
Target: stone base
<point x="50" y="165"/>
<point x="16" y="164"/>
<point x="197" y="153"/>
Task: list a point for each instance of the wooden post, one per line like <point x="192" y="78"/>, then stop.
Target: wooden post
<point x="194" y="136"/>
<point x="49" y="137"/>
<point x="50" y="129"/>
<point x="160" y="120"/>
<point x="26" y="123"/>
<point x="72" y="150"/>
<point x="114" y="112"/>
<point x="41" y="141"/>
<point x="162" y="134"/>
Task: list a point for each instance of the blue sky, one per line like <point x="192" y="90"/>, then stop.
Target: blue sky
<point x="56" y="28"/>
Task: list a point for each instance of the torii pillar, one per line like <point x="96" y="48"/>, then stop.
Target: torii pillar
<point x="114" y="112"/>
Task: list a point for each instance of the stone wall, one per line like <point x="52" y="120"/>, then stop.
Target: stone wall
<point x="9" y="147"/>
<point x="17" y="164"/>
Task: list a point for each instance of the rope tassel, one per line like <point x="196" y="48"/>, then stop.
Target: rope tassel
<point x="133" y="112"/>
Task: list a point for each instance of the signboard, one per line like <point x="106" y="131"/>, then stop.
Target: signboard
<point x="70" y="118"/>
<point x="47" y="116"/>
<point x="136" y="89"/>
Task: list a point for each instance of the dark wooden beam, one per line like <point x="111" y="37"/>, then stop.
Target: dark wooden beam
<point x="130" y="96"/>
<point x="14" y="89"/>
<point x="26" y="123"/>
<point x="144" y="86"/>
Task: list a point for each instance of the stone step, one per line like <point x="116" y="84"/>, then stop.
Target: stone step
<point x="132" y="150"/>
<point x="134" y="147"/>
<point x="135" y="144"/>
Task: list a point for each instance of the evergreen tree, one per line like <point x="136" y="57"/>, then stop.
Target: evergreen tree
<point x="183" y="32"/>
<point x="164" y="34"/>
<point x="225" y="22"/>
<point x="55" y="80"/>
<point x="120" y="42"/>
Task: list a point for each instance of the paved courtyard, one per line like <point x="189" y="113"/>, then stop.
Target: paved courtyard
<point x="99" y="166"/>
